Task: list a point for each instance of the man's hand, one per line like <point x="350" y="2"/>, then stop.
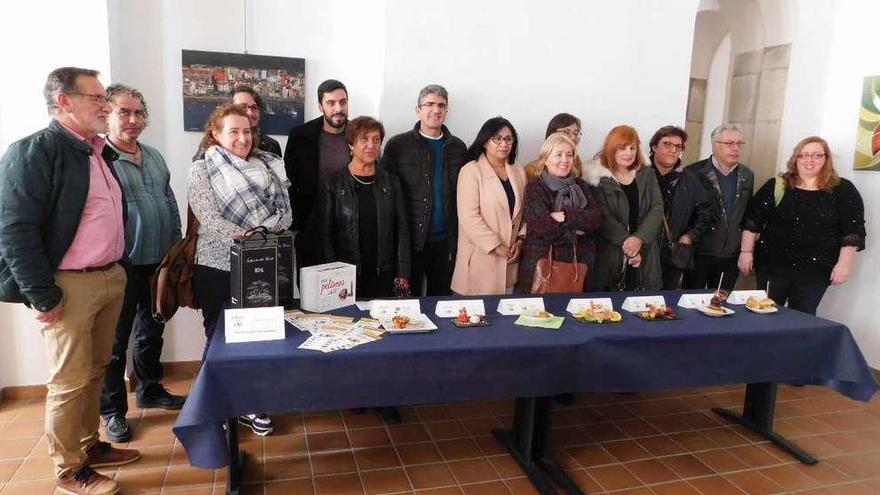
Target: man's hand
<point x="686" y="239"/>
<point x="51" y="316"/>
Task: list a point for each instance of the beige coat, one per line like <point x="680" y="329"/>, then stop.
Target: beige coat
<point x="483" y="225"/>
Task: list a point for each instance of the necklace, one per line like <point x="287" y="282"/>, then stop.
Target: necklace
<point x="366" y="183"/>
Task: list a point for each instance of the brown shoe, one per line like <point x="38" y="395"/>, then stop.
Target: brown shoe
<point x="102" y="454"/>
<point x="86" y="481"/>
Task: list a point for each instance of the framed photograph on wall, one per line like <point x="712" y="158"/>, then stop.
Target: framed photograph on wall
<point x="867" y="156"/>
<point x="208" y="77"/>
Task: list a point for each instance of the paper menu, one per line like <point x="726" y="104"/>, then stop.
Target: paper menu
<point x="635" y="304"/>
<point x="575" y="305"/>
<point x="741" y="296"/>
<point x="450" y="309"/>
<point x="385" y="309"/>
<point x="254" y="324"/>
<point x="525" y="305"/>
<point x="694" y="301"/>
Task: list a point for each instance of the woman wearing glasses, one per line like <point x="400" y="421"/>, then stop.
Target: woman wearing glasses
<point x="811" y="223"/>
<point x="632" y="215"/>
<point x="490" y="199"/>
<point x="570" y="126"/>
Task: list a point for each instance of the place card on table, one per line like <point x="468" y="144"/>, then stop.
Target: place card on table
<point x="576" y="305"/>
<point x="363" y="305"/>
<point x="254" y="324"/>
<point x="450" y="309"/>
<point x="385" y="309"/>
<point x="694" y="301"/>
<point x="519" y="306"/>
<point x="741" y="296"/>
<point x="635" y="304"/>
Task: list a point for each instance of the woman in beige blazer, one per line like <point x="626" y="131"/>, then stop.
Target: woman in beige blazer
<point x="490" y="195"/>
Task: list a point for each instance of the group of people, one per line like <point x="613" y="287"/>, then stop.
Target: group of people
<point x="85" y="219"/>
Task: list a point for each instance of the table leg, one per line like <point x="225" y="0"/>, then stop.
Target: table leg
<point x="236" y="458"/>
<point x="527" y="443"/>
<point x="758" y="410"/>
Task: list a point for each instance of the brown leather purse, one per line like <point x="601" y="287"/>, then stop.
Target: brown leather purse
<point x="553" y="277"/>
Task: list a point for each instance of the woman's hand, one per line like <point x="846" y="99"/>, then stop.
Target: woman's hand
<point x="631" y="246"/>
<point x="501" y="250"/>
<point x="686" y="239"/>
<point x="746" y="262"/>
<point x="401" y="282"/>
<point x="559" y="216"/>
<point x="241" y="233"/>
<point x="635" y="261"/>
<point x="840" y="273"/>
<point x="514" y="252"/>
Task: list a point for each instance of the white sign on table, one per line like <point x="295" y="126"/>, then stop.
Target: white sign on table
<point x="576" y="305"/>
<point x="450" y="309"/>
<point x="525" y="305"/>
<point x="363" y="305"/>
<point x="694" y="301"/>
<point x="254" y="324"/>
<point x="741" y="296"/>
<point x="634" y="304"/>
<point x="385" y="309"/>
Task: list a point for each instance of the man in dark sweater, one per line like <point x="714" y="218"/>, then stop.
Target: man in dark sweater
<point x="314" y="150"/>
<point x="427" y="159"/>
<point x="729" y="185"/>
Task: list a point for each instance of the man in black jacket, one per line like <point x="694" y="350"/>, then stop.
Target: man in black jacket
<point x="314" y="150"/>
<point x="62" y="216"/>
<point x="427" y="159"/>
<point x="687" y="213"/>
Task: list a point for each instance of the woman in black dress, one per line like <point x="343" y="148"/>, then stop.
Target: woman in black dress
<point x="811" y="222"/>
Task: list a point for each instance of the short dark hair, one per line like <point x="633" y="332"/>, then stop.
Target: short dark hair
<point x="63" y="80"/>
<point x="489" y="129"/>
<point x="329" y="86"/>
<point x="666" y="131"/>
<point x="362" y="125"/>
<point x="244" y="88"/>
<point x="114" y="90"/>
<point x="559" y="121"/>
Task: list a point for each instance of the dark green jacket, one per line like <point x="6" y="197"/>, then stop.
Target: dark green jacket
<point x="44" y="182"/>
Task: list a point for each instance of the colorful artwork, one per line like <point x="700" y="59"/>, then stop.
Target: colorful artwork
<point x="209" y="76"/>
<point x="868" y="133"/>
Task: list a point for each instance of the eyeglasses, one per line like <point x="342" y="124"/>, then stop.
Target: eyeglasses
<point x="498" y="139"/>
<point x="732" y="144"/>
<point x="811" y="156"/>
<point x="252" y="108"/>
<point x="672" y="146"/>
<point x="570" y="133"/>
<point x="96" y="98"/>
<point x="432" y="105"/>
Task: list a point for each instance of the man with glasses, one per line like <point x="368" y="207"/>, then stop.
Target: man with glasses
<point x="62" y="238"/>
<point x="427" y="159"/>
<point x="155" y="226"/>
<point x="687" y="213"/>
<point x="314" y="150"/>
<point x="247" y="97"/>
<point x="729" y="185"/>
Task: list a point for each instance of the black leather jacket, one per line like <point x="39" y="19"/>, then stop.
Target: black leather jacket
<point x="336" y="219"/>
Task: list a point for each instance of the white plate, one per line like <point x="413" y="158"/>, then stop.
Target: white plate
<point x="708" y="312"/>
<point x="763" y="311"/>
<point x="417" y="324"/>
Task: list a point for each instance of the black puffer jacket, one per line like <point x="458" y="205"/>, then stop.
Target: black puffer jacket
<point x="336" y="218"/>
<point x="408" y="156"/>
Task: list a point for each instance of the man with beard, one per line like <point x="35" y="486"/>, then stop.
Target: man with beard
<point x="314" y="150"/>
<point x="154" y="225"/>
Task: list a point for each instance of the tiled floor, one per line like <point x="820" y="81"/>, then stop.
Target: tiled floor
<point x="658" y="443"/>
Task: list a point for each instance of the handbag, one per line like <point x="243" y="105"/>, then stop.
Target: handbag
<point x="552" y="277"/>
<point x="681" y="256"/>
<point x="171" y="285"/>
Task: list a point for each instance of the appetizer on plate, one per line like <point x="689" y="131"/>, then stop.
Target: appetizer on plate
<point x="658" y="312"/>
<point x="541" y="314"/>
<point x="765" y="303"/>
<point x="400" y="321"/>
<point x="597" y="313"/>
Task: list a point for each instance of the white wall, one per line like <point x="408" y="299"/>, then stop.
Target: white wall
<point x="833" y="51"/>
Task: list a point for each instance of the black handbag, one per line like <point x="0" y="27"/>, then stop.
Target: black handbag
<point x="681" y="256"/>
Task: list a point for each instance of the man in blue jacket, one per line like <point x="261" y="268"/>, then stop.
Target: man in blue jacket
<point x="61" y="243"/>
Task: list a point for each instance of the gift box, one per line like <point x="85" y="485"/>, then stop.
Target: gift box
<point x="327" y="287"/>
<point x="253" y="263"/>
<point x="286" y="268"/>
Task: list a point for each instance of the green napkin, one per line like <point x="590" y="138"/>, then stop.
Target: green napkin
<point x="553" y="323"/>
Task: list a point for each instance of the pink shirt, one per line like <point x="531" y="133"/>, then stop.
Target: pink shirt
<point x="100" y="236"/>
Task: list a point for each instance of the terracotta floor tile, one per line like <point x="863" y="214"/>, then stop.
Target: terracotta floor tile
<point x="675" y="488"/>
<point x="288" y="424"/>
<point x="693" y="441"/>
<point x="584" y="481"/>
<point x="603" y="432"/>
<point x="35" y="468"/>
<point x="721" y="460"/>
<point x="280" y="445"/>
<point x="443" y="430"/>
<point x="637" y="428"/>
<point x="290" y="487"/>
<point x="141" y="481"/>
<point x="480" y="426"/>
<point x="823" y="473"/>
<point x="789" y="477"/>
<point x="466" y="410"/>
<point x="626" y="450"/>
<point x="40" y="487"/>
<point x="472" y="471"/>
<point x="755" y="455"/>
<point x="753" y="483"/>
<point x="376" y="458"/>
<point x="651" y="471"/>
<point x="590" y="455"/>
<point x="687" y="466"/>
<point x="408" y="433"/>
<point x="433" y="412"/>
<point x="660" y="445"/>
<point x="333" y="463"/>
<point x="430" y="476"/>
<point x="521" y="486"/>
<point x="853" y="489"/>
<point x="452" y="490"/>
<point x="328" y="442"/>
<point x="461" y="448"/>
<point x="489" y="445"/>
<point x="853" y="466"/>
<point x="323" y="423"/>
<point x="25" y="429"/>
<point x="368" y="437"/>
<point x="418" y="453"/>
<point x="365" y="419"/>
<point x="284" y="468"/>
<point x="490" y="488"/>
<point x="506" y="466"/>
<point x="346" y="484"/>
<point x="725" y="437"/>
<point x="614" y="477"/>
<point x="186" y="476"/>
<point x="385" y="481"/>
<point x="8" y="468"/>
<point x="715" y="485"/>
<point x="17" y="448"/>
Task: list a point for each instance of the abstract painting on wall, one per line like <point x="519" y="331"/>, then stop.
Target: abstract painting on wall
<point x="208" y="77"/>
<point x="867" y="155"/>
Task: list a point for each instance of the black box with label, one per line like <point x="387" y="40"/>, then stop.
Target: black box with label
<point x="253" y="263"/>
<point x="286" y="268"/>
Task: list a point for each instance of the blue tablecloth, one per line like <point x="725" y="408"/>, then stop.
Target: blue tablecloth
<point x="505" y="360"/>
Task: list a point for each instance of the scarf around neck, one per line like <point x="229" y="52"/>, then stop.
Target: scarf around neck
<point x="568" y="194"/>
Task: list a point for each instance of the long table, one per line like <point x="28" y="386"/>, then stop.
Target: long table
<point x="506" y="360"/>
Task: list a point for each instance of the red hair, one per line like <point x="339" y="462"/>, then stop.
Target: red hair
<point x="620" y="137"/>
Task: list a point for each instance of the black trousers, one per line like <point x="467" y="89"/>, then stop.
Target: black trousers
<point x="672" y="277"/>
<point x="435" y="262"/>
<point x="212" y="292"/>
<point x="708" y="269"/>
<point x="801" y="290"/>
<point x="136" y="318"/>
